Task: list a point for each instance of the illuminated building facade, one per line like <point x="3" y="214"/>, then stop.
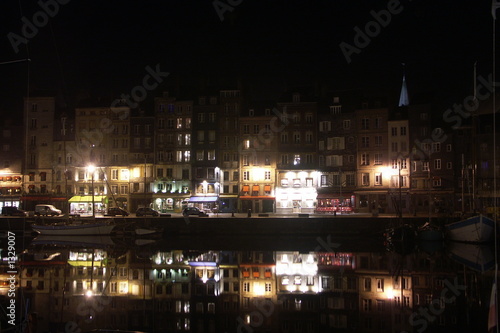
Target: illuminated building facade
<point x="258" y="151"/>
<point x="229" y="149"/>
<point x="173" y="153"/>
<point x="371" y="123"/>
<point x="206" y="159"/>
<point x="296" y="175"/>
<point x="337" y="150"/>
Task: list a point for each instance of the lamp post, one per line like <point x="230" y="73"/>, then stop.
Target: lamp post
<point x="91" y="169"/>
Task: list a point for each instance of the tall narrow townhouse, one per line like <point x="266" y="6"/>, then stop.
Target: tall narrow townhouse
<point x="205" y="152"/>
<point x="336" y="156"/>
<point x="173" y="153"/>
<point x="39" y="113"/>
<point x="397" y="175"/>
<point x="296" y="171"/>
<point x="141" y="158"/>
<point x="258" y="151"/>
<point x="229" y="147"/>
<point x="371" y="123"/>
<point x="101" y="160"/>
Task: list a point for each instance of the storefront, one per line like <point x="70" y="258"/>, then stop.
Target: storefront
<point x="257" y="204"/>
<point x="332" y="202"/>
<point x="204" y="203"/>
<point x="82" y="204"/>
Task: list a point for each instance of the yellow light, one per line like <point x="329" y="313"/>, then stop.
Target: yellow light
<point x="389" y="293"/>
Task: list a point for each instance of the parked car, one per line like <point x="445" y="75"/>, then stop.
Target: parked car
<point x="13" y="211"/>
<point x="193" y="211"/>
<point x="144" y="211"/>
<point x="113" y="211"/>
<point x="47" y="210"/>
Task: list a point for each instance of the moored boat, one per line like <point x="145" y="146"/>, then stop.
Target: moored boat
<point x="74" y="228"/>
<point x="476" y="229"/>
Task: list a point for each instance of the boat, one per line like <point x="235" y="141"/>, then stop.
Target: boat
<point x="478" y="257"/>
<point x="82" y="240"/>
<point x="75" y="228"/>
<point x="430" y="232"/>
<point x="476" y="229"/>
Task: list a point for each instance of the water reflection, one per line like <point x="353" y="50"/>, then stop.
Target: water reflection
<point x="84" y="283"/>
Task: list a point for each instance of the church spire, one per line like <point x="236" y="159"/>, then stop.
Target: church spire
<point x="404" y="100"/>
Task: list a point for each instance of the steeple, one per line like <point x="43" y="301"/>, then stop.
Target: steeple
<point x="403" y="97"/>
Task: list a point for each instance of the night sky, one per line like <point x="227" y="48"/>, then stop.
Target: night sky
<point x="101" y="48"/>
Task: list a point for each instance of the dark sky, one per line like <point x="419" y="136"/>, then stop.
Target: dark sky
<point x="102" y="47"/>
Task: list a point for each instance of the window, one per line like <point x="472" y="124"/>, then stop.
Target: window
<point x="378" y="141"/>
<point x="425" y="166"/>
<point x="437" y="164"/>
<point x="309" y="118"/>
<point x="246" y="175"/>
<point x="449" y="165"/>
<point x="365" y="179"/>
<point x="201" y="136"/>
<point x="201" y="117"/>
<point x="394" y="147"/>
<point x="365" y="159"/>
<point x="365" y="124"/>
<point x="284" y="137"/>
<point x="346" y="124"/>
<point x="436" y="181"/>
<point x="114" y="174"/>
<point x="211" y="154"/>
<point x="200" y="155"/>
<point x="246" y="129"/>
<point x="211" y="117"/>
<point x="394" y="131"/>
<point x="378" y="159"/>
<point x="296" y="137"/>
<point x="296" y="159"/>
<point x="284" y="159"/>
<point x="448" y="147"/>
<point x="436" y="147"/>
<point x="365" y="142"/>
<point x="402" y="130"/>
<point x="380" y="285"/>
<point x="325" y="126"/>
<point x="368" y="284"/>
<point x="378" y="178"/>
<point x="267" y="175"/>
<point x="211" y="136"/>
<point x="309" y="137"/>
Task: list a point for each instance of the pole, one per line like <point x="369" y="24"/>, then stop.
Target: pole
<point x="400" y="194"/>
<point x="93" y="204"/>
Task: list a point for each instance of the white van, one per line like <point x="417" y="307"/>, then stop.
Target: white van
<point x="46" y="210"/>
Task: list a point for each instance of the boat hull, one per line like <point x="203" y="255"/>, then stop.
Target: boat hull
<point x="74" y="229"/>
<point x="476" y="229"/>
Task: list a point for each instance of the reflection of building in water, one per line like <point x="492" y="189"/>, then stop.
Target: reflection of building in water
<point x="263" y="291"/>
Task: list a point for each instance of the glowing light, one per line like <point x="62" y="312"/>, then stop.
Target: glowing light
<point x="89" y="293"/>
<point x="389" y="293"/>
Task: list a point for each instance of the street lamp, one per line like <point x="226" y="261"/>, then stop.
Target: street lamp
<point x="91" y="169"/>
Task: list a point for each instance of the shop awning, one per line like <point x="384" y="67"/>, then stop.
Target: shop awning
<point x="87" y="198"/>
<point x="246" y="197"/>
<point x="203" y="199"/>
<point x="222" y="196"/>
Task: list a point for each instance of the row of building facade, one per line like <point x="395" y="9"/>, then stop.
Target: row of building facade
<point x="222" y="153"/>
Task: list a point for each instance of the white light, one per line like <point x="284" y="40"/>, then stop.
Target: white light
<point x="89" y="293"/>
